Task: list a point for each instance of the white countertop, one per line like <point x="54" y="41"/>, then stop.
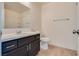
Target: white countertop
<point x="7" y="37"/>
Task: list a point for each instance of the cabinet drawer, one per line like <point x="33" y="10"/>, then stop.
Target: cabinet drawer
<point x="25" y="40"/>
<point x="17" y="52"/>
<point x="9" y="45"/>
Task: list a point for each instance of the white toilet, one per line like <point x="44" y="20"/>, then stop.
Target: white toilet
<point x="44" y="42"/>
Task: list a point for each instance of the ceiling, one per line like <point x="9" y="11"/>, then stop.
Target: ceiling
<point x="15" y="6"/>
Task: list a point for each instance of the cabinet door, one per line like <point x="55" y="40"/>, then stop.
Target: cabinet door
<point x="34" y="47"/>
<point x="17" y="52"/>
<point x="25" y="41"/>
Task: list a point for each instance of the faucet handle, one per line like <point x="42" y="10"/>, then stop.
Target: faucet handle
<point x="19" y="31"/>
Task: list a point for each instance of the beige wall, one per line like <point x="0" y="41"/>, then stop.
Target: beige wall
<point x="36" y="16"/>
<point x="78" y="25"/>
<point x="59" y="32"/>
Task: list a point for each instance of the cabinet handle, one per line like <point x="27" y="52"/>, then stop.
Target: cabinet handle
<point x="10" y="46"/>
<point x="29" y="46"/>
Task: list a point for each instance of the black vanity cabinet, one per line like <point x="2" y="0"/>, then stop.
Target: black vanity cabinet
<point x="25" y="46"/>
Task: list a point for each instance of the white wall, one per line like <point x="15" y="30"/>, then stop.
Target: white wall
<point x="60" y="32"/>
<point x="1" y="20"/>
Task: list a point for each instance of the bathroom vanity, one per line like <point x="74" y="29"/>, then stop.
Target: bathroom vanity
<point x="15" y="43"/>
<point x="28" y="45"/>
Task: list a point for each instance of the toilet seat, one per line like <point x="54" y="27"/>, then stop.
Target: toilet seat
<point x="45" y="39"/>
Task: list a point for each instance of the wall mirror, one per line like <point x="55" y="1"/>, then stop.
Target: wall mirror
<point x="16" y="15"/>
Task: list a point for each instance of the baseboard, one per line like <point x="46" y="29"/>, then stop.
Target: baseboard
<point x="62" y="47"/>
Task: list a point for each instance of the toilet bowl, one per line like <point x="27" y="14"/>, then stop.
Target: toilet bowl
<point x="44" y="42"/>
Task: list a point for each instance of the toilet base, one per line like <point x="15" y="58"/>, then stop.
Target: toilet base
<point x="43" y="45"/>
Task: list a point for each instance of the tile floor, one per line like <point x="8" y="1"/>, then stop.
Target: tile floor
<point x="57" y="51"/>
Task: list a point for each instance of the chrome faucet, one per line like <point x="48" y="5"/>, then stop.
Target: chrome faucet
<point x="18" y="32"/>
